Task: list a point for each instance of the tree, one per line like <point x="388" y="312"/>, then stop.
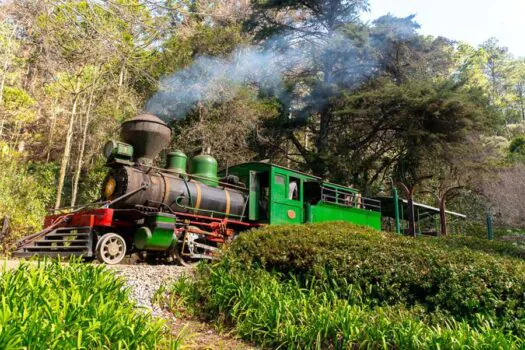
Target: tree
<point x="330" y="41"/>
<point x="86" y="46"/>
<point x="386" y="129"/>
<point x="502" y="189"/>
<point x="518" y="84"/>
<point x="496" y="69"/>
<point x="228" y="129"/>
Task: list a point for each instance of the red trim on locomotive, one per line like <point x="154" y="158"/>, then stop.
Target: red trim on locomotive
<point x="105" y="217"/>
<point x="207" y="218"/>
<point x="83" y="218"/>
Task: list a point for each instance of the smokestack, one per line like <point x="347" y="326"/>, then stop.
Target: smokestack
<point x="148" y="135"/>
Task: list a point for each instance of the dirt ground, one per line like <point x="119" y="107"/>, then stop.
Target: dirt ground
<point x="203" y="336"/>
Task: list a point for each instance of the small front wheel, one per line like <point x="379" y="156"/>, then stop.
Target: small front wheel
<point x="111" y="249"/>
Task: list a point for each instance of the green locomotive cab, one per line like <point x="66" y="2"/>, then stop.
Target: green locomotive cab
<point x="278" y="195"/>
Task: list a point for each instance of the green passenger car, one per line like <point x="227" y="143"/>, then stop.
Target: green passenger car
<point x="278" y="195"/>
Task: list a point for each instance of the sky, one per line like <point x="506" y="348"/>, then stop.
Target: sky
<point x="472" y="21"/>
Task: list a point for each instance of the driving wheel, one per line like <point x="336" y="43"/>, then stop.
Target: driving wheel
<point x="111" y="249"/>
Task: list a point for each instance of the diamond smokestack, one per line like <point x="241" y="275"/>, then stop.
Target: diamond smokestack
<point x="148" y="135"/>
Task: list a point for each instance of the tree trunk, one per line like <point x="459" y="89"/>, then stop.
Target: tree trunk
<point x="15" y="137"/>
<point x="67" y="147"/>
<point x="442" y="198"/>
<point x="5" y="67"/>
<point x="322" y="143"/>
<point x="411" y="217"/>
<point x="2" y="83"/>
<point x="521" y="89"/>
<point x="6" y="64"/>
<point x="442" y="217"/>
<point x="2" y="123"/>
<point x="120" y="83"/>
<point x="52" y="129"/>
<point x="80" y="160"/>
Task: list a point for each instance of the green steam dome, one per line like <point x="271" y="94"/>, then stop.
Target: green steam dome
<point x="204" y="167"/>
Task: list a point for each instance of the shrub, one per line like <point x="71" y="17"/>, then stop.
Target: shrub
<point x="265" y="308"/>
<point x="25" y="191"/>
<point x="453" y="275"/>
<point x="314" y="286"/>
<point x="48" y="305"/>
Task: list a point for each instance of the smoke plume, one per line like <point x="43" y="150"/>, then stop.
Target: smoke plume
<point x="336" y="61"/>
<point x="210" y="79"/>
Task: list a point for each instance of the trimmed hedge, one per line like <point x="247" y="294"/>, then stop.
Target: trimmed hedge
<point x="439" y="274"/>
<point x="338" y="285"/>
<point x="276" y="313"/>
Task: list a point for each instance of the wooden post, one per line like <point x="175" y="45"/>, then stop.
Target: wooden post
<point x="409" y="193"/>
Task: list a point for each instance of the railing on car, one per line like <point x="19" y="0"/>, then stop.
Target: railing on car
<point x="348" y="198"/>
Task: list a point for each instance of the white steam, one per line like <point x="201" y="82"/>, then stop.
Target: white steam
<point x="335" y="60"/>
<point x="210" y="79"/>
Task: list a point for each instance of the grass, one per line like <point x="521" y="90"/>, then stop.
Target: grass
<point x="340" y="286"/>
<point x="49" y="305"/>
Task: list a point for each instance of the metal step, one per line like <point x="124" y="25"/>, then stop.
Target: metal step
<point x="70" y="241"/>
<point x="50" y="254"/>
<point x="56" y="248"/>
<point x="63" y="242"/>
<point x="66" y="234"/>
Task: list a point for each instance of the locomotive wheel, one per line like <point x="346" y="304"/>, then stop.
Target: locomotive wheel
<point x="184" y="261"/>
<point x="111" y="249"/>
<point x="179" y="254"/>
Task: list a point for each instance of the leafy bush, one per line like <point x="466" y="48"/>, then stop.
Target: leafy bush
<point x="340" y="285"/>
<point x="450" y="275"/>
<point x="264" y="308"/>
<point x="48" y="305"/>
<point x="498" y="247"/>
<point x="25" y="192"/>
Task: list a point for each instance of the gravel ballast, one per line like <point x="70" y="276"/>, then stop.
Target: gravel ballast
<point x="145" y="280"/>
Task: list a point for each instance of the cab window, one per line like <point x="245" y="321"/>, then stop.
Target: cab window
<point x="294" y="188"/>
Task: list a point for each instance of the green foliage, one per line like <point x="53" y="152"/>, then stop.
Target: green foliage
<point x="517" y="148"/>
<point x="89" y="188"/>
<point x="15" y="98"/>
<point x="406" y="124"/>
<point x="241" y="112"/>
<point x="315" y="286"/>
<point x="49" y="305"/>
<point x="204" y="40"/>
<point x="390" y="269"/>
<point x="25" y="192"/>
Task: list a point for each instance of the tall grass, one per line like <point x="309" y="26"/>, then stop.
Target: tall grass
<point x="264" y="309"/>
<point x="340" y="286"/>
<point x="49" y="305"/>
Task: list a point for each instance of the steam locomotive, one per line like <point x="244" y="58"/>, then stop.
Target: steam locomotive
<point x="186" y="213"/>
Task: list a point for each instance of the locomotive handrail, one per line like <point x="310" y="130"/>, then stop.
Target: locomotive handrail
<point x="118" y="199"/>
<point x="78" y="207"/>
<point x="348" y="199"/>
<point x="104" y="204"/>
<point x="161" y="205"/>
